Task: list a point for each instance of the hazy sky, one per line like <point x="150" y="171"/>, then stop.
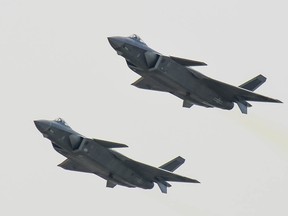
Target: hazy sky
<point x="55" y="61"/>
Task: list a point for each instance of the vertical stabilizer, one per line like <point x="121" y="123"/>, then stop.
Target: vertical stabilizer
<point x="162" y="187"/>
<point x="173" y="164"/>
<point x="254" y="83"/>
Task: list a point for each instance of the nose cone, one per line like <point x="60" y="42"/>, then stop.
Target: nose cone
<point x="116" y="42"/>
<point x="42" y="125"/>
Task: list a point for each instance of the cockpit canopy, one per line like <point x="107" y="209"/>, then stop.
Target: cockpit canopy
<point x="61" y="121"/>
<point x="137" y="38"/>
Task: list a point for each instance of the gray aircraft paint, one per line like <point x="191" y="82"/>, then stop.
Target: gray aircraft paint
<point x="175" y="75"/>
<point x="97" y="157"/>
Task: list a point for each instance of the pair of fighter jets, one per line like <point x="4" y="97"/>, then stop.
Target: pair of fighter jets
<point x="160" y="73"/>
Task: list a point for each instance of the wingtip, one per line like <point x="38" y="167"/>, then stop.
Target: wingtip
<point x="202" y="64"/>
<point x="179" y="158"/>
<point x="195" y="181"/>
<point x="263" y="78"/>
<point x="278" y="101"/>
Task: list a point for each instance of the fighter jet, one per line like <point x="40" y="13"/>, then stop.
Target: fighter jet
<point x="175" y="75"/>
<point x="98" y="157"/>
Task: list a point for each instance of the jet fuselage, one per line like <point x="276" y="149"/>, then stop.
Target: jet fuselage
<point x="96" y="159"/>
<point x="174" y="75"/>
<point x="171" y="76"/>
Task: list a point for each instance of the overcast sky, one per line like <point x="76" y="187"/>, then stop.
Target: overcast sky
<point x="55" y="61"/>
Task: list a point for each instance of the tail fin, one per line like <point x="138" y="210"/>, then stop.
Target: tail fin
<point x="169" y="166"/>
<point x="250" y="85"/>
<point x="173" y="164"/>
<point x="163" y="186"/>
<point x="254" y="83"/>
<point x="243" y="105"/>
